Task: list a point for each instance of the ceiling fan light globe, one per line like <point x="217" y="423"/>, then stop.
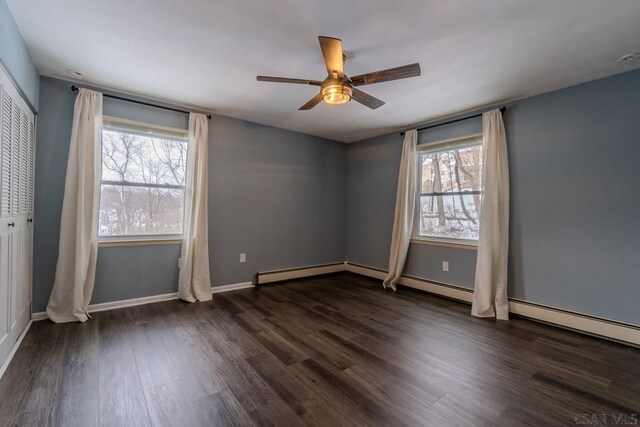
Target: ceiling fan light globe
<point x="336" y="93"/>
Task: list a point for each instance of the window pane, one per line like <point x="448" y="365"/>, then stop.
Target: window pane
<point x="142" y="159"/>
<point x="449" y="216"/>
<point x="468" y="168"/>
<point x="126" y="210"/>
<point x="454" y="170"/>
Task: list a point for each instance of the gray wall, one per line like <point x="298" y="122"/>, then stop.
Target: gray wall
<point x="15" y="56"/>
<point x="574" y="157"/>
<point x="277" y="196"/>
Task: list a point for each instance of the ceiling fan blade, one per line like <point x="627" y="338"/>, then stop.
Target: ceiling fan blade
<point x="412" y="70"/>
<point x="332" y="53"/>
<point x="288" y="80"/>
<point x="366" y="99"/>
<point x="312" y="102"/>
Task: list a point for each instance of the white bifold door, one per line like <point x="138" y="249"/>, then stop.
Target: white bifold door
<point x="17" y="161"/>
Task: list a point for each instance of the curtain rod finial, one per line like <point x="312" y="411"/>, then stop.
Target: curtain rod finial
<point x="74" y="88"/>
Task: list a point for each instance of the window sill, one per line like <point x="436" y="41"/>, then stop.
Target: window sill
<point x="449" y="244"/>
<point x="116" y="242"/>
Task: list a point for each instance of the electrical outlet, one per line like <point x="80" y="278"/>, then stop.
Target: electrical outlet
<point x="243" y="257"/>
<point x="445" y="266"/>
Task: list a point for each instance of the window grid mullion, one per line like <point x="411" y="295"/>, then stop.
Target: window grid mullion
<point x="141" y="184"/>
<point x="451" y="193"/>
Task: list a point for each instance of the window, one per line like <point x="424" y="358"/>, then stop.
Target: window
<point x="449" y="190"/>
<point x="143" y="178"/>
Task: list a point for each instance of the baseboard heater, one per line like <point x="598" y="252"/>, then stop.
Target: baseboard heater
<point x="297" y="273"/>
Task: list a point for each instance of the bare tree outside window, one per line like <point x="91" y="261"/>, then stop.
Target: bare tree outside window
<point x="142" y="188"/>
<point x="450" y="183"/>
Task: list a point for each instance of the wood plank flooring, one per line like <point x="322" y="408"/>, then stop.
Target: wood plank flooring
<point x="330" y="351"/>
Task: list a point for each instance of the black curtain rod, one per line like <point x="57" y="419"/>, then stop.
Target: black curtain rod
<point x="502" y="110"/>
<point x="148" y="104"/>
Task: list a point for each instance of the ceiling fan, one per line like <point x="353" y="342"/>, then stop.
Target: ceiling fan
<point x="338" y="88"/>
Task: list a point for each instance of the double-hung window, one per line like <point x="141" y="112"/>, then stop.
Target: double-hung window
<point x="449" y="175"/>
<point x="142" y="182"/>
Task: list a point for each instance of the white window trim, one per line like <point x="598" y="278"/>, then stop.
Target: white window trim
<point x="117" y="123"/>
<point x="442" y="145"/>
<point x="143" y="127"/>
<point x="139" y="240"/>
<point x="449" y="242"/>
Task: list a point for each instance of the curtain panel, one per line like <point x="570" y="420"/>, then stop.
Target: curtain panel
<point x="405" y="210"/>
<point x="490" y="288"/>
<point x="78" y="245"/>
<point x="194" y="282"/>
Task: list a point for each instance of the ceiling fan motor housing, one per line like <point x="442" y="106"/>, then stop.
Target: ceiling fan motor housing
<point x="336" y="91"/>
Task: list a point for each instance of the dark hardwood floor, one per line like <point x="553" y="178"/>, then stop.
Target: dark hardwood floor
<point x="330" y="351"/>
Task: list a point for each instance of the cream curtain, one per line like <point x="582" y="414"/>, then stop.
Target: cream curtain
<point x="405" y="207"/>
<point x="78" y="246"/>
<point x="490" y="290"/>
<point x="194" y="283"/>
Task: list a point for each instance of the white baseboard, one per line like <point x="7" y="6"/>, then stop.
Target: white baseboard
<point x="601" y="327"/>
<point x="41" y="315"/>
<point x="296" y="273"/>
<point x="449" y="291"/>
<point x="232" y="287"/>
<point x="94" y="308"/>
<point x="7" y="361"/>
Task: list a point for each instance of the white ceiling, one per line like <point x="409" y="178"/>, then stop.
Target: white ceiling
<point x="206" y="53"/>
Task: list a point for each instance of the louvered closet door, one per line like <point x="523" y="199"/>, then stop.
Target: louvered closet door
<point x="17" y="150"/>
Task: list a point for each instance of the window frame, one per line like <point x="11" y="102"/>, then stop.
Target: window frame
<point x="145" y="129"/>
<point x="469" y="140"/>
